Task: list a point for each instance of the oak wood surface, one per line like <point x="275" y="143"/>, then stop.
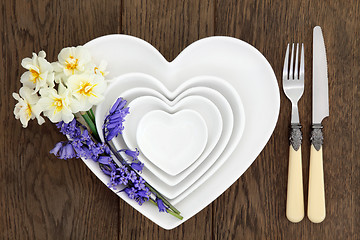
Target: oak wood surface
<point x="42" y="197"/>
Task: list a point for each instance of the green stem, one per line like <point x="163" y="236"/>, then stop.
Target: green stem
<point x="91" y="125"/>
<point x="91" y="115"/>
<point x="168" y="211"/>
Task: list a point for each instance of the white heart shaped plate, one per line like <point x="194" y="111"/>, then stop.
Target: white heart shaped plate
<point x="231" y="59"/>
<point x="169" y="139"/>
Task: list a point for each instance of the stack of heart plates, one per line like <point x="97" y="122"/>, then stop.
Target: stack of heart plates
<point x="198" y="121"/>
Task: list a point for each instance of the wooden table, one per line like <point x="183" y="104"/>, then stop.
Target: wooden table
<point x="42" y="197"/>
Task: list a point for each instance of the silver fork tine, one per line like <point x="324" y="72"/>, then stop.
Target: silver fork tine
<point x="296" y="74"/>
<point x="302" y="64"/>
<point x="291" y="73"/>
<point x="286" y="63"/>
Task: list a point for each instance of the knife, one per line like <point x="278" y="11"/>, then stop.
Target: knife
<point x="320" y="110"/>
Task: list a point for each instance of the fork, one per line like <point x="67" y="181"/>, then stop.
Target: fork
<point x="293" y="85"/>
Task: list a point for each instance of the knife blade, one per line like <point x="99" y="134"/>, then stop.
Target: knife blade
<point x="320" y="110"/>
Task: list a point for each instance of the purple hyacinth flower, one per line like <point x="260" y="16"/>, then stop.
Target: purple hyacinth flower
<point x="131" y="192"/>
<point x="112" y="165"/>
<point x="59" y="124"/>
<point x="85" y="136"/>
<point x="139" y="184"/>
<point x="102" y="148"/>
<point x="104" y="159"/>
<point x="77" y="143"/>
<point x="138" y="166"/>
<point x="132" y="176"/>
<point x="123" y="181"/>
<point x="107" y="149"/>
<point x="112" y="185"/>
<point x="160" y="205"/>
<point x="119" y="104"/>
<point x="71" y="129"/>
<point x="113" y="123"/>
<point x="124" y="171"/>
<point x="113" y="132"/>
<point x="67" y="151"/>
<point x="84" y="152"/>
<point x="115" y="177"/>
<point x="57" y="148"/>
<point x="140" y="200"/>
<point x="144" y="194"/>
<point x="90" y="143"/>
<point x="133" y="154"/>
<point x="96" y="150"/>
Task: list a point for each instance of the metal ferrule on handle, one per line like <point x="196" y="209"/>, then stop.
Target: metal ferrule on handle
<point x="317" y="138"/>
<point x="295" y="197"/>
<point x="295" y="136"/>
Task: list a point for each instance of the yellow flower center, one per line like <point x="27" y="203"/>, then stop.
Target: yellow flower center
<point x="86" y="89"/>
<point x="58" y="104"/>
<point x="35" y="75"/>
<point x="71" y="63"/>
<point x="96" y="69"/>
<point x="28" y="111"/>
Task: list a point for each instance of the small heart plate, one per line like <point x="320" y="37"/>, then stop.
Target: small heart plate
<point x="172" y="141"/>
<point x="240" y="65"/>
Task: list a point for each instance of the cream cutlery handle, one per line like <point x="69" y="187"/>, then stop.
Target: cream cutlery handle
<point x="295" y="197"/>
<point x="316" y="201"/>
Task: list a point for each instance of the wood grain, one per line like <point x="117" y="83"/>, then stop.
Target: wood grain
<point x="169" y="26"/>
<point x="42" y="197"/>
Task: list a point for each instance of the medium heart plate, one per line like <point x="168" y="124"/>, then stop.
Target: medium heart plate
<point x="233" y="60"/>
<point x="218" y="111"/>
<point x="218" y="106"/>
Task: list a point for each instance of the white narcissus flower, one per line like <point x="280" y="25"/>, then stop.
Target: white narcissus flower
<point x="101" y="69"/>
<point x="87" y="89"/>
<point x="25" y="108"/>
<point x="72" y="60"/>
<point x="40" y="72"/>
<point x="56" y="105"/>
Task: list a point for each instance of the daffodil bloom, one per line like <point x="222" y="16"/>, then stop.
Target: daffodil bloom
<point x="72" y="60"/>
<point x="25" y="108"/>
<point x="87" y="89"/>
<point x="40" y="72"/>
<point x="101" y="69"/>
<point x="56" y="105"/>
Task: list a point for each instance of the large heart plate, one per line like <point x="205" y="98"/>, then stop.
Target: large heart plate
<point x="233" y="60"/>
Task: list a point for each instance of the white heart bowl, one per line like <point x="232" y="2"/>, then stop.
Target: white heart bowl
<point x="173" y="140"/>
<point x="240" y="65"/>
